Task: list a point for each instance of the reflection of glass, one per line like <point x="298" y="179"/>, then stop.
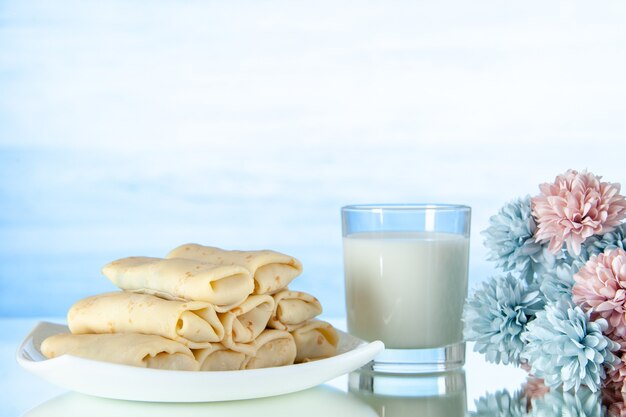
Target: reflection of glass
<point x="426" y="395"/>
<point x="314" y="402"/>
<point x="406" y="282"/>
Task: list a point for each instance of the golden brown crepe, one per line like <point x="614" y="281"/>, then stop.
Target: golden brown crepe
<point x="219" y="358"/>
<point x="315" y="340"/>
<point x="274" y="348"/>
<point x="224" y="286"/>
<point x="271" y="270"/>
<point x="147" y="351"/>
<point x="292" y="309"/>
<point x="199" y="309"/>
<point x="244" y="323"/>
<point x="192" y="323"/>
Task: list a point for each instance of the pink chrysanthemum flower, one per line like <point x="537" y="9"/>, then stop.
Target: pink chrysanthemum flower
<point x="600" y="287"/>
<point x="577" y="205"/>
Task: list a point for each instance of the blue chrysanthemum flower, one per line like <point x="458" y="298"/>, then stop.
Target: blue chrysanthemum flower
<point x="510" y="241"/>
<point x="496" y="315"/>
<point x="546" y="261"/>
<point x="597" y="244"/>
<point x="500" y="404"/>
<point x="557" y="282"/>
<point x="583" y="403"/>
<point x="566" y="348"/>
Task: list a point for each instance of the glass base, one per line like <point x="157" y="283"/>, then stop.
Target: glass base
<point x="419" y="361"/>
<point x="394" y="385"/>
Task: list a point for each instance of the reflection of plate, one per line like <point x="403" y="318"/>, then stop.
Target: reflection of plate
<point x="314" y="402"/>
<point x="110" y="380"/>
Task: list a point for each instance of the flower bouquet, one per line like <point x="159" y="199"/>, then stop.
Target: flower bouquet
<point x="558" y="309"/>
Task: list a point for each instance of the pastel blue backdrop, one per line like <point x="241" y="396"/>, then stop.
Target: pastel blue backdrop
<point x="129" y="127"/>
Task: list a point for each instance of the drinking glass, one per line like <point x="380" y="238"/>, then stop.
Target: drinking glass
<point x="406" y="268"/>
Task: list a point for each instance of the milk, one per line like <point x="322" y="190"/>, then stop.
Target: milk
<point x="406" y="288"/>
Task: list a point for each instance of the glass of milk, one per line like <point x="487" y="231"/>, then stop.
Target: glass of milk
<point x="406" y="282"/>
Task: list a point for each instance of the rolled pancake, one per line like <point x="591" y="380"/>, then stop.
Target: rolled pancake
<point x="315" y="340"/>
<point x="224" y="286"/>
<point x="192" y="323"/>
<point x="292" y="309"/>
<point x="218" y="357"/>
<point x="274" y="348"/>
<point x="271" y="270"/>
<point x="147" y="351"/>
<point x="245" y="322"/>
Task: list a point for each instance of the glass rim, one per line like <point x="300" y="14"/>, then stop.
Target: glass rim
<point x="405" y="207"/>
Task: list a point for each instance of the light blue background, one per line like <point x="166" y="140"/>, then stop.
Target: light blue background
<point x="128" y="127"/>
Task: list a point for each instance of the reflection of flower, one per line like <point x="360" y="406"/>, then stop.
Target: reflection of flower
<point x="566" y="348"/>
<point x="614" y="401"/>
<point x="616" y="378"/>
<point x="541" y="402"/>
<point x="600" y="287"/>
<point x="617" y="409"/>
<point x="575" y="207"/>
<point x="500" y="404"/>
<point x="497" y="314"/>
<point x="535" y="388"/>
<point x="510" y="241"/>
<point x="583" y="403"/>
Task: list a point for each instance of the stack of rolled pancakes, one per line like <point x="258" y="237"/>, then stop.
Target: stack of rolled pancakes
<point x="200" y="308"/>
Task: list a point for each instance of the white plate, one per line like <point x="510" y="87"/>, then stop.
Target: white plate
<point x="123" y="382"/>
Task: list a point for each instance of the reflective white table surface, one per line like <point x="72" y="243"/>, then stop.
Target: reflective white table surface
<point x="357" y="394"/>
